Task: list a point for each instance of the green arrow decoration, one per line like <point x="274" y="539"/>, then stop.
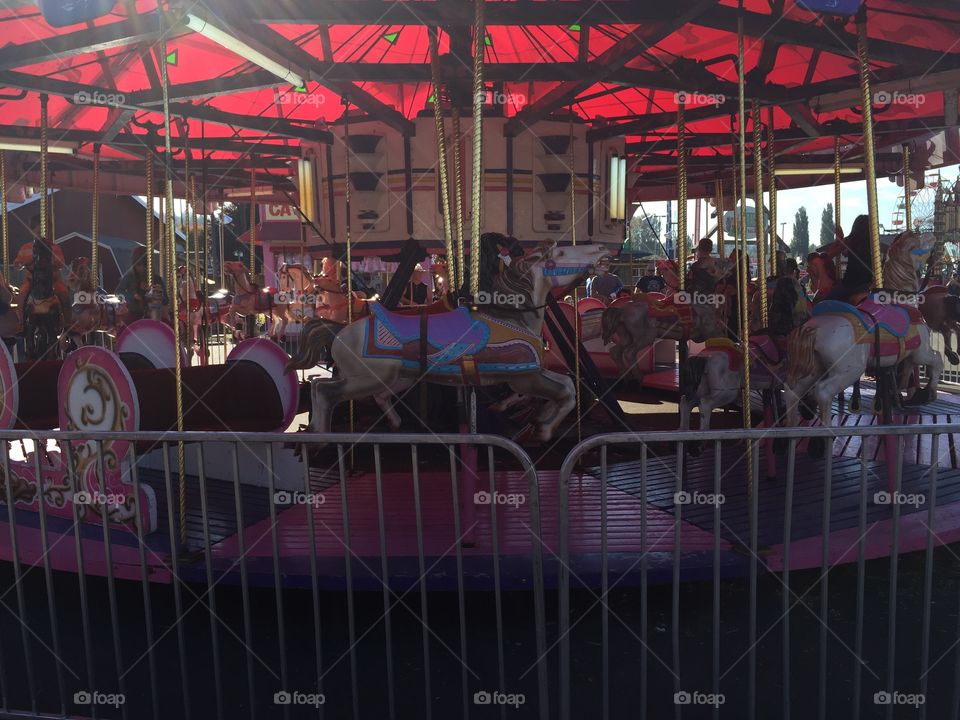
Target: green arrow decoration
<point x="173" y="57"/>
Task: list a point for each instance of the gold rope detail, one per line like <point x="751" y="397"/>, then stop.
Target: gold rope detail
<point x="869" y="149"/>
<point x="908" y="211"/>
<point x="444" y="181"/>
<point x="4" y="219"/>
<point x="758" y="212"/>
<point x="458" y="194"/>
<point x="476" y="215"/>
<point x="149" y="228"/>
<point x="95" y="220"/>
<point x="772" y="174"/>
<point x="681" y="193"/>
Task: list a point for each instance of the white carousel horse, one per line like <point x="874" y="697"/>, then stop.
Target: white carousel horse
<point x="834" y="349"/>
<point x="500" y="344"/>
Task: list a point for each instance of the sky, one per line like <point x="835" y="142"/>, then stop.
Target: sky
<point x="815" y="199"/>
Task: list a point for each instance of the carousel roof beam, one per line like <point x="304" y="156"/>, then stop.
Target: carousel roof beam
<point x="792" y="32"/>
<point x="655" y="121"/>
<point x="441" y="12"/>
<point x="272" y="126"/>
<point x="803" y="118"/>
<point x="120" y="120"/>
<point x="214" y="87"/>
<point x="71" y="90"/>
<point x="608" y="62"/>
<point x="703" y="140"/>
<point x="143" y="28"/>
<point x="916" y="87"/>
<point x="315" y="72"/>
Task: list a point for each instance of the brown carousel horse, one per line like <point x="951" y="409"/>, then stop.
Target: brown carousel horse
<point x="684" y="316"/>
<point x="331" y="298"/>
<point x="249" y="300"/>
<point x="91" y="311"/>
<point x="190" y="310"/>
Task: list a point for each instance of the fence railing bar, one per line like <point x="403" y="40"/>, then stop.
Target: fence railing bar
<point x="244" y="583"/>
<point x="894" y="567"/>
<point x="787" y="542"/>
<point x="309" y="506"/>
<point x="604" y="583"/>
<point x="928" y="571"/>
<point x="754" y="459"/>
<point x="461" y="597"/>
<point x="644" y="604"/>
<point x="563" y="593"/>
<point x="824" y="580"/>
<point x="675" y="594"/>
<point x="497" y="595"/>
<point x="111" y="581"/>
<point x="81" y="586"/>
<point x="861" y="580"/>
<point x="348" y="575"/>
<point x="177" y="582"/>
<point x="717" y="476"/>
<point x="385" y="576"/>
<point x="211" y="581"/>
<point x="422" y="570"/>
<point x="18" y="578"/>
<point x="40" y="449"/>
<point x="277" y="578"/>
<point x="144" y="585"/>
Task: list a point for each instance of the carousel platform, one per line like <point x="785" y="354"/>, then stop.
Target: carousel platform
<point x="360" y="552"/>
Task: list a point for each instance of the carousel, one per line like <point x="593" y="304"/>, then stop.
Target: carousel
<point x="386" y="375"/>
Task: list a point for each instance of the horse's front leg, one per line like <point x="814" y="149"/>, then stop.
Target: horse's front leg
<point x="557" y="389"/>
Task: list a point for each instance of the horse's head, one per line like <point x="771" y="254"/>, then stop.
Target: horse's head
<point x="234" y="267"/>
<point x="907" y="258"/>
<point x="668" y="269"/>
<point x="549" y="267"/>
<point x="720" y="268"/>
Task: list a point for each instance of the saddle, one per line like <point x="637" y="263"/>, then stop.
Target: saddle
<point x="896" y="325"/>
<point x="765" y="350"/>
<point x="668" y="309"/>
<point x="729" y="348"/>
<point x="456" y="343"/>
<point x="44" y="306"/>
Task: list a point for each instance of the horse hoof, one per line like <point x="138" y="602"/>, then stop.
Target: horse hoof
<point x="953" y="358"/>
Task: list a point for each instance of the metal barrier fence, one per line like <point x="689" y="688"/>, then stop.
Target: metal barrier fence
<point x="414" y="582"/>
<point x="384" y="619"/>
<point x="859" y="621"/>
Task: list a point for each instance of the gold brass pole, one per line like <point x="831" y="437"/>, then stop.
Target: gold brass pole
<point x="476" y="214"/>
<point x="149" y="228"/>
<point x="347" y="232"/>
<point x="720" y="231"/>
<point x="458" y="194"/>
<point x="681" y="193"/>
<point x="4" y="219"/>
<point x="869" y="148"/>
<point x="772" y="174"/>
<point x="758" y="212"/>
<point x="908" y="211"/>
<point x="836" y="195"/>
<point x="253" y="224"/>
<point x="444" y="183"/>
<point x="95" y="221"/>
<point x="576" y="291"/>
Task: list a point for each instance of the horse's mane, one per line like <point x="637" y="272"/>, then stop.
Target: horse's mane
<point x="517" y="278"/>
<point x="784" y="300"/>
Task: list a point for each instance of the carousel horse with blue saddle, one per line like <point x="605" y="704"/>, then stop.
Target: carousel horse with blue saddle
<point x="477" y="344"/>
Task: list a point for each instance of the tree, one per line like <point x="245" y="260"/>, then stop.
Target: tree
<point x="645" y="236"/>
<point x="801" y="234"/>
<point x="826" y="226"/>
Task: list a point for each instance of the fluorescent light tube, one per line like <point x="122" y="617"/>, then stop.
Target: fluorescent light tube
<point x="225" y="39"/>
<point x="35" y="147"/>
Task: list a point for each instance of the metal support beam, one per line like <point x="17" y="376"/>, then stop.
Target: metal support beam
<point x="616" y="57"/>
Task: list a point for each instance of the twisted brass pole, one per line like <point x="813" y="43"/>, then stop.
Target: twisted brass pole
<point x="836" y="197"/>
<point x="149" y="228"/>
<point x="720" y="229"/>
<point x="772" y="174"/>
<point x="347" y="234"/>
<point x="4" y="219"/>
<point x="572" y="158"/>
<point x="758" y="212"/>
<point x="476" y="214"/>
<point x="444" y="182"/>
<point x="681" y="193"/>
<point x="44" y="201"/>
<point x="908" y="211"/>
<point x="95" y="220"/>
<point x="869" y="148"/>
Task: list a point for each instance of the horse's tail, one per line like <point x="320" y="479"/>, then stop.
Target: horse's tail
<point x="801" y="353"/>
<point x="609" y="322"/>
<point x="316" y="341"/>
